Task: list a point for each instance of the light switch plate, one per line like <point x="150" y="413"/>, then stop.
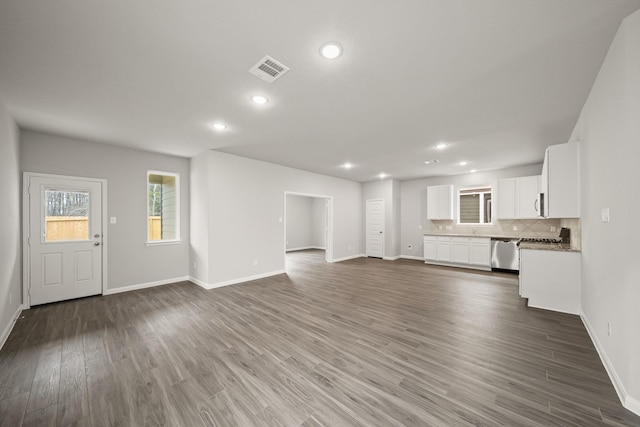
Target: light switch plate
<point x="606" y="217"/>
<point x="113" y="220"/>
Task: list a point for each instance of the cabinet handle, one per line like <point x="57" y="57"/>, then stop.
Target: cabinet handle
<point x="535" y="204"/>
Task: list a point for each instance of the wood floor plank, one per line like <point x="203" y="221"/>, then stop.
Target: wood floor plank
<point x="364" y="342"/>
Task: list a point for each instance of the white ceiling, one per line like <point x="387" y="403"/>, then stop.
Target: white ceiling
<point x="498" y="79"/>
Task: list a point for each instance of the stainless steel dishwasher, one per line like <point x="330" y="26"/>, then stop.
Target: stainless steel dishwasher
<point x="504" y="254"/>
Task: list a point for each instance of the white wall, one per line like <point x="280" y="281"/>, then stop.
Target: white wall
<point x="10" y="238"/>
<point x="245" y="207"/>
<point x="130" y="261"/>
<point x="413" y="201"/>
<point x="609" y="131"/>
<point x="318" y="214"/>
<point x="298" y="222"/>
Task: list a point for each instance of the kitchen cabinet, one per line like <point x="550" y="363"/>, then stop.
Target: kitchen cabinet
<point x="440" y="202"/>
<point x="480" y="252"/>
<point x="516" y="197"/>
<point x="560" y="181"/>
<point x="550" y="279"/>
<point x="444" y="250"/>
<point x="458" y="251"/>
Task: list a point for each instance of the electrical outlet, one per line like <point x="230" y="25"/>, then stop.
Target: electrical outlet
<point x="349" y="248"/>
<point x="410" y="247"/>
<point x="448" y="227"/>
<point x="553" y="228"/>
<point x="439" y="227"/>
<point x="195" y="265"/>
<point x="608" y="329"/>
<point x="515" y="228"/>
<point x="255" y="262"/>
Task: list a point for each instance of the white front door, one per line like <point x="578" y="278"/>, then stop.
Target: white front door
<point x="375" y="228"/>
<point x="64" y="238"/>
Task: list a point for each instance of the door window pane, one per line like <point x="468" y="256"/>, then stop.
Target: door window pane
<point x="66" y="215"/>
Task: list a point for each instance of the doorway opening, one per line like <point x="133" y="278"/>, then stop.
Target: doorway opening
<point x="308" y="226"/>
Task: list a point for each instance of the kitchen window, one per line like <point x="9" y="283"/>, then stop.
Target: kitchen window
<point x="163" y="207"/>
<point x="474" y="205"/>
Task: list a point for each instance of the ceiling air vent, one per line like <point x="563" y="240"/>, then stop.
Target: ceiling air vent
<point x="268" y="69"/>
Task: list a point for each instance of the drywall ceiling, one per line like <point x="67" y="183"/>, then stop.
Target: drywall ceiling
<point x="499" y="80"/>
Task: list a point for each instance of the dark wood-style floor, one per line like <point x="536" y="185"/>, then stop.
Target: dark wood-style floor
<point x="364" y="342"/>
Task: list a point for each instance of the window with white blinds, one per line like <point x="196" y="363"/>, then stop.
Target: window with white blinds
<point x="474" y="205"/>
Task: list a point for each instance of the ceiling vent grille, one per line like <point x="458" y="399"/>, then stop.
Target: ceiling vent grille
<point x="268" y="69"/>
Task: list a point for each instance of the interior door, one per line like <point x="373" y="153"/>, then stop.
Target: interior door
<point x="375" y="228"/>
<point x="64" y="239"/>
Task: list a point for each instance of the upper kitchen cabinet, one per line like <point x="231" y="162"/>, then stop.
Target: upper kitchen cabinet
<point x="517" y="197"/>
<point x="440" y="202"/>
<point x="560" y="181"/>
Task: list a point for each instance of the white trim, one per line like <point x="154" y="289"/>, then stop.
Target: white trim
<point x="347" y="258"/>
<point x="417" y="258"/>
<point x="9" y="328"/>
<point x="304" y="248"/>
<point x="629" y="402"/>
<point x="146" y="285"/>
<point x="466" y="266"/>
<point x="26" y="254"/>
<point x="391" y="258"/>
<point x="209" y="286"/>
<point x="178" y="208"/>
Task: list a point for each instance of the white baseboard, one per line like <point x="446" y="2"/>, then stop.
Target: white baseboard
<point x="417" y="258"/>
<point x="629" y="402"/>
<point x="145" y="285"/>
<point x="9" y="328"/>
<point x="391" y="258"/>
<point x="236" y="281"/>
<point x="347" y="258"/>
<point x="304" y="248"/>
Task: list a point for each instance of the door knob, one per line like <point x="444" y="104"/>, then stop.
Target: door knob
<point x="96" y="244"/>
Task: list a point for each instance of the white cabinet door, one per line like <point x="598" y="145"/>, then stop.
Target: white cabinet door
<point x="506" y="199"/>
<point x="430" y="249"/>
<point x="551" y="280"/>
<point x="561" y="181"/>
<point x="440" y="202"/>
<point x="480" y="252"/>
<point x="460" y="250"/>
<point x="444" y="250"/>
<point x="527" y="189"/>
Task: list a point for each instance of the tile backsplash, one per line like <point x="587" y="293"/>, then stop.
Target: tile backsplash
<point x="525" y="228"/>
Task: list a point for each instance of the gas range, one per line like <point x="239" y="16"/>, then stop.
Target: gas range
<point x="550" y="241"/>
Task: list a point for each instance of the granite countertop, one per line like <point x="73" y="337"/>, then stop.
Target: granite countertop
<point x="495" y="236"/>
<point x="559" y="247"/>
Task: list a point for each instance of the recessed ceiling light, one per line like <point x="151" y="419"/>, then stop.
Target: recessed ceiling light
<point x="473" y="171"/>
<point x="463" y="163"/>
<point x="429" y="162"/>
<point x="383" y="175"/>
<point x="219" y="126"/>
<point x="259" y="99"/>
<point x="331" y="50"/>
<point x="440" y="146"/>
<point x="347" y="165"/>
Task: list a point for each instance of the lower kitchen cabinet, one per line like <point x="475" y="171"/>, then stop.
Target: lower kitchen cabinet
<point x="551" y="279"/>
<point x="456" y="251"/>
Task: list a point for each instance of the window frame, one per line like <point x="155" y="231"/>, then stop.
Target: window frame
<point x="177" y="238"/>
<point x="469" y="190"/>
